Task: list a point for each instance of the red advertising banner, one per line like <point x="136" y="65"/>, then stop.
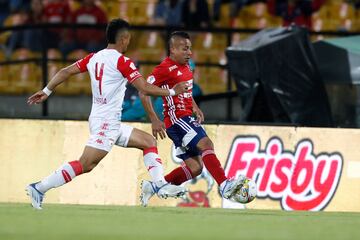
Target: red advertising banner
<point x="294" y="168"/>
<point x="299" y="179"/>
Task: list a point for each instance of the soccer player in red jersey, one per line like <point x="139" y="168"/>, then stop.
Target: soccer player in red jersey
<point x="88" y="13"/>
<point x="109" y="71"/>
<point x="192" y="144"/>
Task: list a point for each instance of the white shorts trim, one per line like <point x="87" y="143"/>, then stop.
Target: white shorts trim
<point x="124" y="137"/>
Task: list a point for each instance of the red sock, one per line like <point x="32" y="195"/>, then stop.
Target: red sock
<point x="77" y="167"/>
<point x="213" y="165"/>
<point x="179" y="175"/>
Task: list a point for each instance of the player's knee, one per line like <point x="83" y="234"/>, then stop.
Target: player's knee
<point x="196" y="171"/>
<point x="149" y="141"/>
<point x="205" y="143"/>
<point x="90" y="167"/>
<point x="87" y="165"/>
<point x="195" y="167"/>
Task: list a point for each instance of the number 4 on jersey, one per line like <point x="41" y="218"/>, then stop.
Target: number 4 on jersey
<point x="99" y="75"/>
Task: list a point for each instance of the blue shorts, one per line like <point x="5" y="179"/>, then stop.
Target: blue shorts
<point x="186" y="133"/>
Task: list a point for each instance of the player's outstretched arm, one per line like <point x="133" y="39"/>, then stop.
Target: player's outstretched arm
<point x="157" y="125"/>
<point x="148" y="89"/>
<point x="59" y="78"/>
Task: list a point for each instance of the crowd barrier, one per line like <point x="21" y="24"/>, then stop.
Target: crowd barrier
<point x="295" y="168"/>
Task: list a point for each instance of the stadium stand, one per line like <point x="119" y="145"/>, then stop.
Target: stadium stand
<point x="148" y="47"/>
<point x="80" y="83"/>
<point x="24" y="77"/>
<point x="4" y="75"/>
<point x="209" y="49"/>
<point x="8" y="22"/>
<point x="151" y="46"/>
<point x="54" y="65"/>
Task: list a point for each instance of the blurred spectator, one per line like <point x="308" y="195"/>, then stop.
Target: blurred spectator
<point x="4" y="10"/>
<point x="16" y="38"/>
<point x="32" y="37"/>
<point x="295" y="11"/>
<point x="195" y="13"/>
<point x="28" y="38"/>
<point x="168" y="12"/>
<point x="91" y="40"/>
<point x="57" y="11"/>
<point x="235" y="7"/>
<point x="19" y="5"/>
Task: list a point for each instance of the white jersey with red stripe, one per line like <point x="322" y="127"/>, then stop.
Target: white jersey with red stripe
<point x="109" y="72"/>
<point x="166" y="75"/>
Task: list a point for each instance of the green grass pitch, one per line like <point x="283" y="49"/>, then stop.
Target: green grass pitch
<point x="20" y="221"/>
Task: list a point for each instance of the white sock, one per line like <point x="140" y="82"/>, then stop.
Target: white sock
<point x="61" y="176"/>
<point x="222" y="185"/>
<point x="154" y="166"/>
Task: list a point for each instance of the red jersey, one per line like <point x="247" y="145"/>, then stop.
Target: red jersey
<point x="166" y="75"/>
<point x="89" y="15"/>
<point x="57" y="12"/>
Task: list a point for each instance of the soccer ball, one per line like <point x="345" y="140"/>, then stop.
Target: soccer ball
<point x="246" y="193"/>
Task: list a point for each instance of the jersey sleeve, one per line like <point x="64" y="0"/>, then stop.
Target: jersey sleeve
<point x="128" y="69"/>
<point x="82" y="63"/>
<point x="157" y="77"/>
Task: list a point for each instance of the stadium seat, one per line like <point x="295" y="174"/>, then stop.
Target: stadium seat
<point x="274" y="21"/>
<point x="337" y="16"/>
<point x="5" y="35"/>
<point x="320" y="23"/>
<point x="25" y="77"/>
<point x="4" y="76"/>
<point x="357" y="20"/>
<point x="346" y="16"/>
<point x="146" y="70"/>
<point x="54" y="65"/>
<point x="79" y="83"/>
<point x="74" y="5"/>
<point x="133" y="48"/>
<point x="210" y="41"/>
<point x="255" y="16"/>
<point x="224" y="20"/>
<point x="238" y="37"/>
<point x="140" y="12"/>
<point x="11" y="20"/>
<point x="210" y="79"/>
<point x="151" y="47"/>
<point x="115" y="9"/>
<point x="136" y="12"/>
<point x="209" y="47"/>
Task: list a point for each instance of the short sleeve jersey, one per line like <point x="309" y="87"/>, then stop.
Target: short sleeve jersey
<point x="109" y="72"/>
<point x="166" y="75"/>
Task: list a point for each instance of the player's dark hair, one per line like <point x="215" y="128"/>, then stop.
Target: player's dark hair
<point x="177" y="34"/>
<point x="114" y="27"/>
<point x="180" y="34"/>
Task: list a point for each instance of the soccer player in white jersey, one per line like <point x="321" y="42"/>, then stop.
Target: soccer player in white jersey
<point x="109" y="71"/>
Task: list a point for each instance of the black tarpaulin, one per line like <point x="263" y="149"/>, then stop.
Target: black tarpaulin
<point x="277" y="78"/>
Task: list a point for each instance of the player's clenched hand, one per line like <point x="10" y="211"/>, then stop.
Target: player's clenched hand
<point x="158" y="127"/>
<point x="37" y="98"/>
<point x="180" y="87"/>
<point x="198" y="113"/>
